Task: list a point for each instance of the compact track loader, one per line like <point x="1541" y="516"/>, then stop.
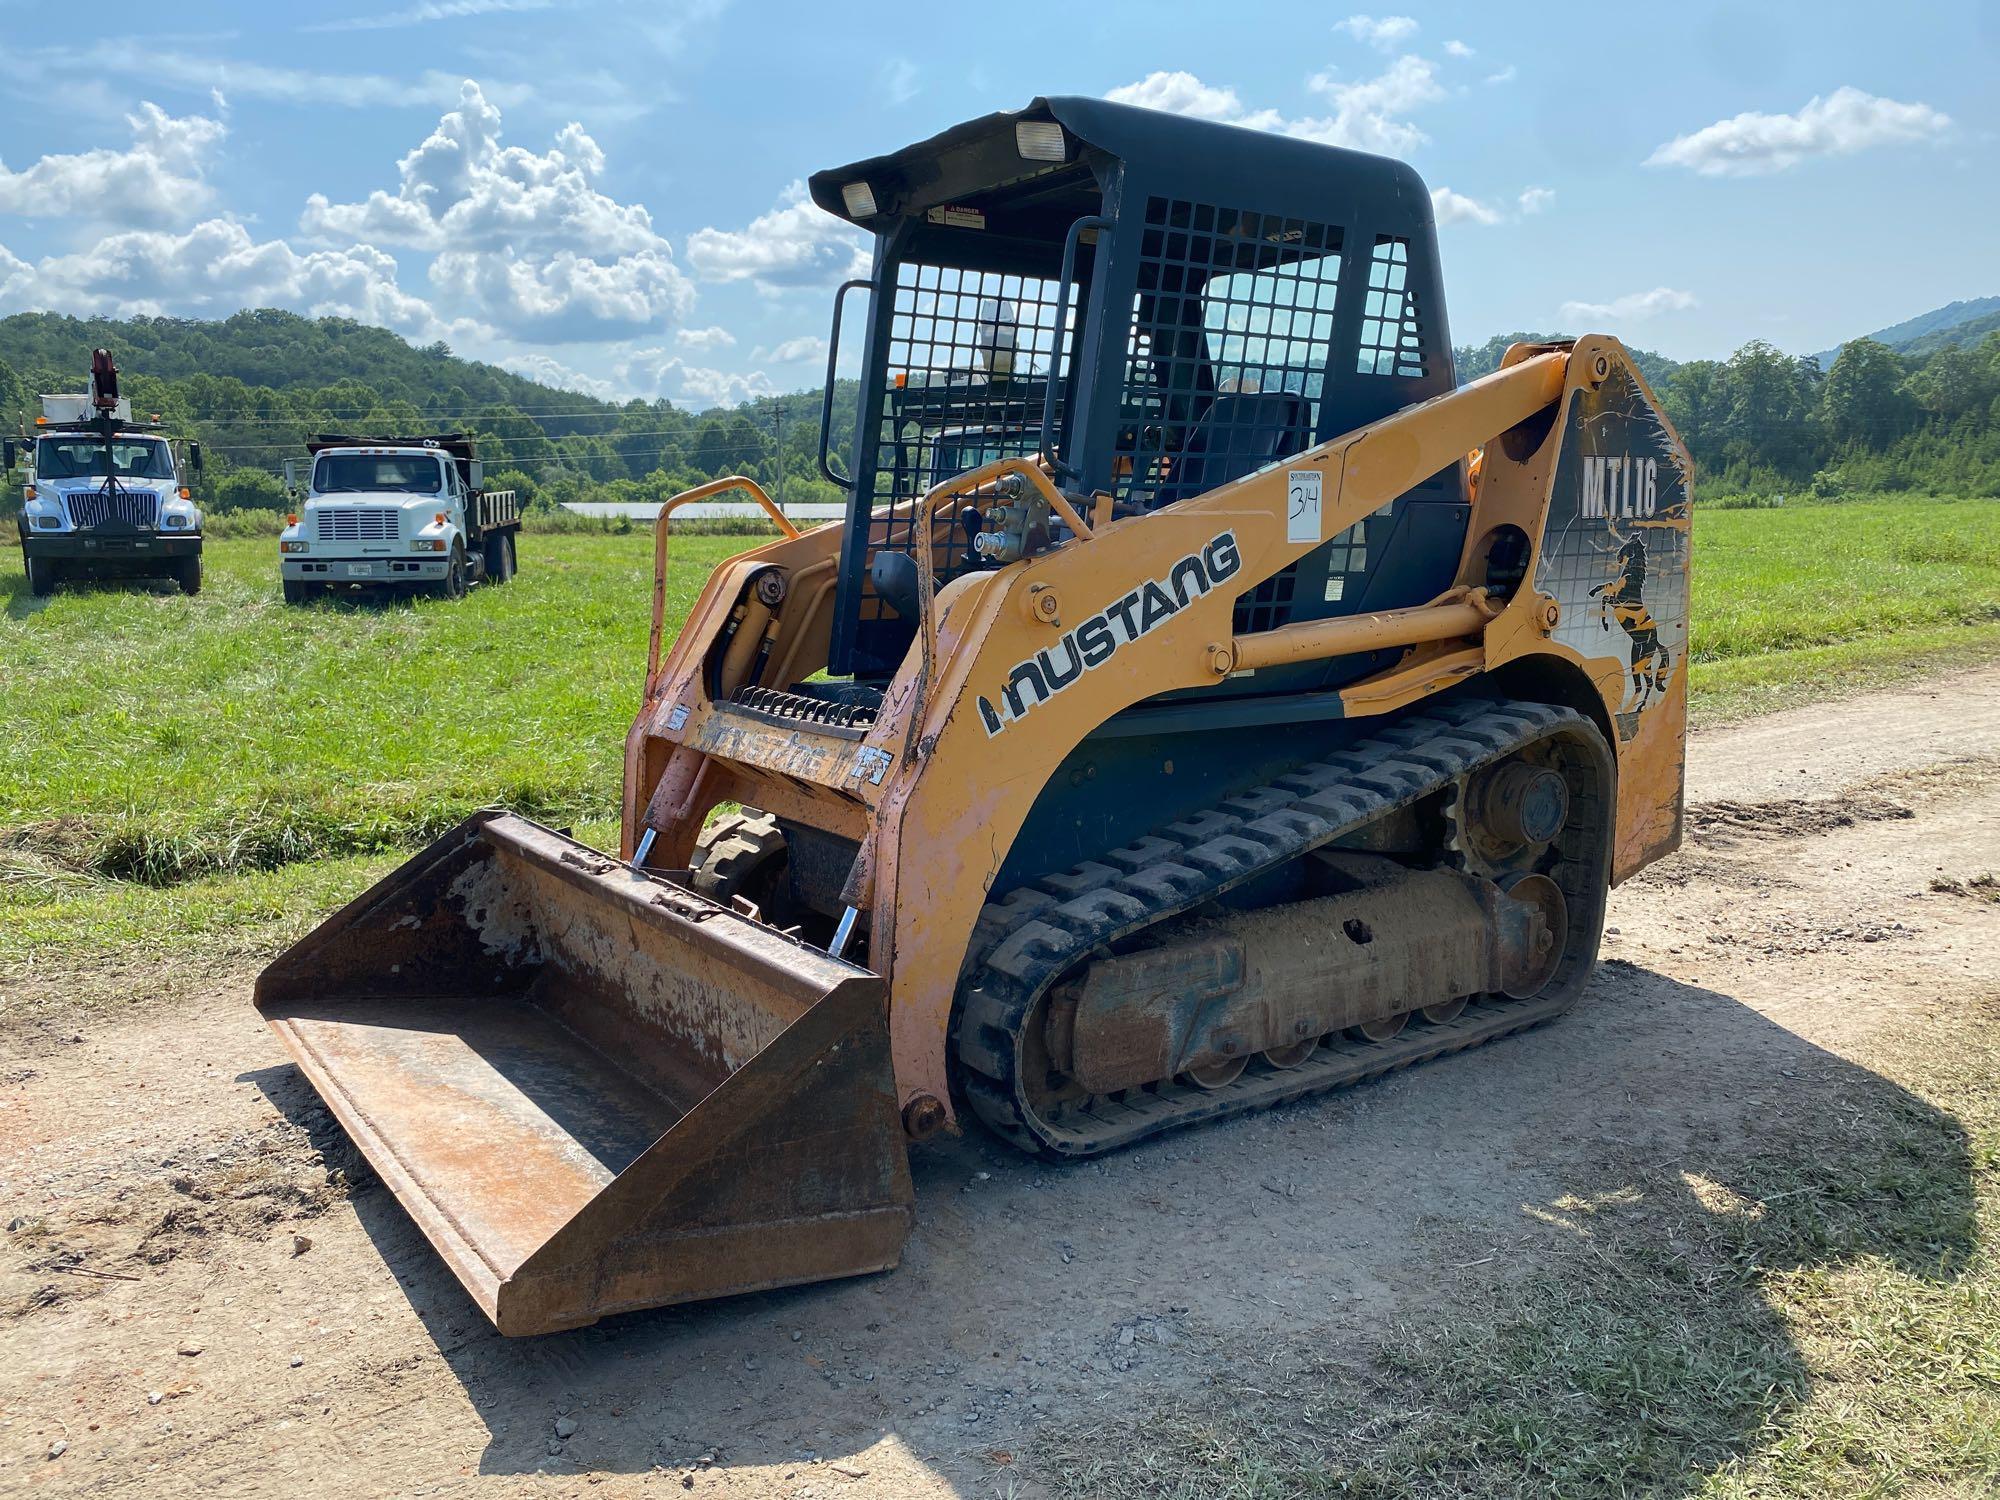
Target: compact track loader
<point x="1206" y="702"/>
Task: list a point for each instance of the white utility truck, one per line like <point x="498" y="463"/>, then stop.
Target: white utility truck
<point x="401" y="512"/>
<point x="105" y="497"/>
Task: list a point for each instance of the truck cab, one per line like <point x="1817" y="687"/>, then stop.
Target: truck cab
<point x="405" y="513"/>
<point x="106" y="498"/>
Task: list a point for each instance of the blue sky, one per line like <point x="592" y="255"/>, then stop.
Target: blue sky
<point x="603" y="193"/>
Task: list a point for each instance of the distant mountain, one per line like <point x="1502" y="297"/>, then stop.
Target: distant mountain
<point x="1954" y="323"/>
<point x="1475" y="360"/>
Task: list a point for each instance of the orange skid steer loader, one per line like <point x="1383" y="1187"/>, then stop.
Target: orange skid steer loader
<point x="1206" y="702"/>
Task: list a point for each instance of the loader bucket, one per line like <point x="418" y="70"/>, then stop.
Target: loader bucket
<point x="594" y="1090"/>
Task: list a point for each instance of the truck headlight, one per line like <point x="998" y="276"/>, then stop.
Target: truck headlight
<point x="45" y="522"/>
<point x="428" y="544"/>
<point x="289" y="545"/>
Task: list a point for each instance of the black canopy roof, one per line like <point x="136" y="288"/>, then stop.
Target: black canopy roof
<point x="982" y="153"/>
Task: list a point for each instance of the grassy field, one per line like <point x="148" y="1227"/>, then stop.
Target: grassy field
<point x="203" y="777"/>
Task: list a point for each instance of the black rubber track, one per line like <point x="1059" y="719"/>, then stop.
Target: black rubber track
<point x="1037" y="933"/>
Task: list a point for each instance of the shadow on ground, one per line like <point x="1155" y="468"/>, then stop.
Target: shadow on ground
<point x="1627" y="1175"/>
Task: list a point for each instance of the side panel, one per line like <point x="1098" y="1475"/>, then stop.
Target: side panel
<point x="1614" y="556"/>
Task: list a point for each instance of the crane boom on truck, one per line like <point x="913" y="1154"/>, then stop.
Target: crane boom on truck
<point x="1241" y="724"/>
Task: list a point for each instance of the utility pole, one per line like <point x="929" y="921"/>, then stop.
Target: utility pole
<point x="778" y="443"/>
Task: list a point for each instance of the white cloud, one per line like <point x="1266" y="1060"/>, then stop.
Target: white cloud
<point x="897" y="80"/>
<point x="217" y="268"/>
<point x="1842" y="123"/>
<point x="1633" y="307"/>
<point x="1457" y="208"/>
<point x="567" y="297"/>
<point x="1182" y="94"/>
<point x="525" y="238"/>
<point x="1387" y="32"/>
<point x="548" y="371"/>
<point x="796" y="244"/>
<point x="1456" y="48"/>
<point x="1533" y="200"/>
<point x="716" y="337"/>
<point x="431" y="10"/>
<point x="1365" y="113"/>
<point x="157" y="66"/>
<point x="1504" y="75"/>
<point x="807" y="346"/>
<point x="159" y="180"/>
<point x="655" y="372"/>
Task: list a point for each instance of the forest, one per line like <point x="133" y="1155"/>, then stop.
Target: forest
<point x="1762" y="424"/>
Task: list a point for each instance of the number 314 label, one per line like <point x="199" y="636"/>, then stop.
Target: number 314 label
<point x="1302" y="490"/>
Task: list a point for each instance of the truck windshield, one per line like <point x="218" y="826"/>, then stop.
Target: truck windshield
<point x="87" y="457"/>
<point x="412" y="474"/>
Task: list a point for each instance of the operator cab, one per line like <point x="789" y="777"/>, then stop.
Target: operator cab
<point x="1156" y="305"/>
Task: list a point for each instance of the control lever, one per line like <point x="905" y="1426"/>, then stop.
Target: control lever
<point x="971" y="521"/>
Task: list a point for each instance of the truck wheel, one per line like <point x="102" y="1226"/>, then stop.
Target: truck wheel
<point x="187" y="573"/>
<point x="41" y="576"/>
<point x="452" y="585"/>
<point x="298" y="591"/>
<point x="500" y="557"/>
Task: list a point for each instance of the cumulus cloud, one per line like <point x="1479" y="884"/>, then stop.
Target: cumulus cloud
<point x="656" y="372"/>
<point x="1457" y="208"/>
<point x="1533" y="200"/>
<point x="526" y="239"/>
<point x="796" y="244"/>
<point x="1367" y="113"/>
<point x="217" y="268"/>
<point x="461" y="189"/>
<point x="716" y="337"/>
<point x="1385" y="32"/>
<point x="540" y="367"/>
<point x="1632" y="307"/>
<point x="1842" y="123"/>
<point x="1456" y="48"/>
<point x="809" y="346"/>
<point x="159" y="179"/>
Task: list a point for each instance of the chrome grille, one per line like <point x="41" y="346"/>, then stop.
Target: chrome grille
<point x="94" y="507"/>
<point x="357" y="523"/>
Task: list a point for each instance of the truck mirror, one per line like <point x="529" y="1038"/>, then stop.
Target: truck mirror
<point x="478" y="474"/>
<point x="9" y="446"/>
<point x="291" y="476"/>
<point x="194" y="457"/>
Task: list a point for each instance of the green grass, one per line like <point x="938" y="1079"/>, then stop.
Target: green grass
<point x="1810" y="601"/>
<point x="172" y="738"/>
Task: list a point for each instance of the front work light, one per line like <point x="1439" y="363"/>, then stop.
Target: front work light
<point x="1041" y="140"/>
<point x="859" y="199"/>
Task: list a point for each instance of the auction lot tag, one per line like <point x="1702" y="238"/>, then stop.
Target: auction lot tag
<point x="1302" y="492"/>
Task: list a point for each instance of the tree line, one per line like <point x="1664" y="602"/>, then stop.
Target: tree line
<point x="1764" y="423"/>
<point x="252" y="387"/>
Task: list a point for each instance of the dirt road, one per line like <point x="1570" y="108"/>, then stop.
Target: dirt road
<point x="202" y="1291"/>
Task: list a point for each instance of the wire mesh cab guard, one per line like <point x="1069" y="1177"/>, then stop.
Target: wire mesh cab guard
<point x="1237" y="298"/>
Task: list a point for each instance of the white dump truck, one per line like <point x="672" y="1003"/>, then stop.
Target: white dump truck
<point x="105" y="497"/>
<point x="408" y="513"/>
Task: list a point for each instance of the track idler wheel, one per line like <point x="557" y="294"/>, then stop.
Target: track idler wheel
<point x="1381" y="1029"/>
<point x="1284" y="1059"/>
<point x="1445" y="1013"/>
<point x="1538" y="967"/>
<point x="1217" y="1075"/>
